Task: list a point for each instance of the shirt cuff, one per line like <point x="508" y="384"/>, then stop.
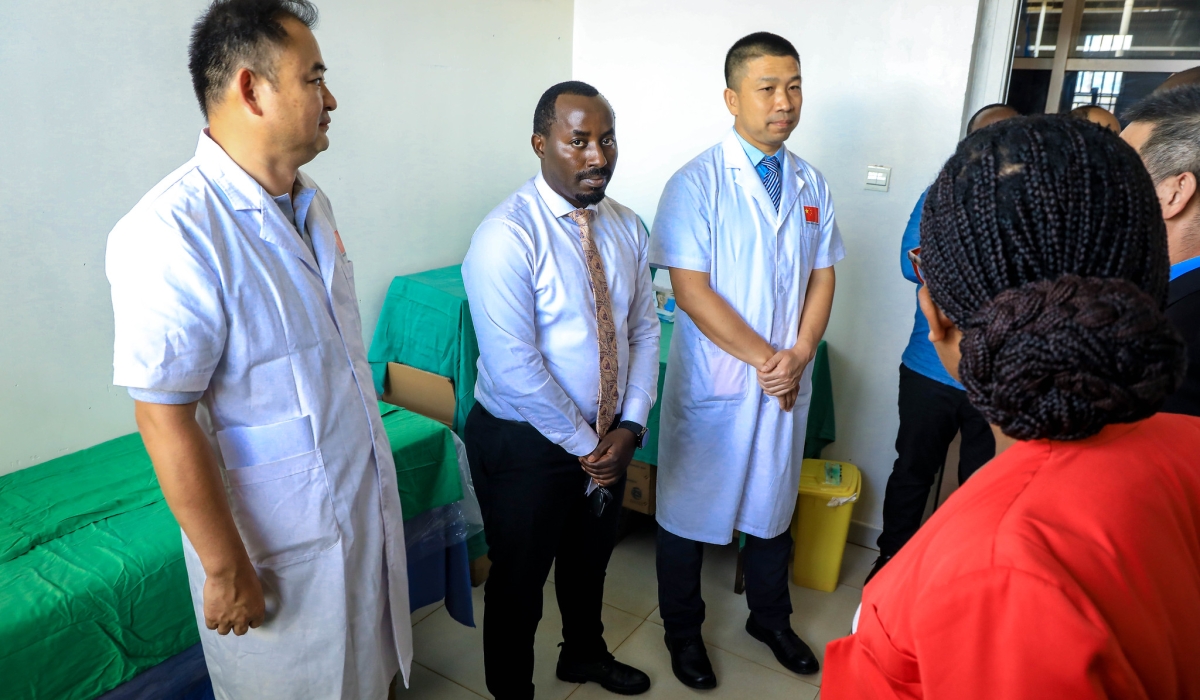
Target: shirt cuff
<point x="173" y="398"/>
<point x="637" y="406"/>
<point x="683" y="262"/>
<point x="582" y="443"/>
<point x="829" y="260"/>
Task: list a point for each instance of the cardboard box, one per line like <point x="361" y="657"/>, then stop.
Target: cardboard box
<point x="639" y="487"/>
<point x="426" y="393"/>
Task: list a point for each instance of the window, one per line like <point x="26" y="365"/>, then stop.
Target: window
<point x="1099" y="88"/>
<point x="1109" y="53"/>
<point x="1139" y="29"/>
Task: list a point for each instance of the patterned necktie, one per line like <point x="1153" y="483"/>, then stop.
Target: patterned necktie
<point x="771" y="179"/>
<point x="606" y="330"/>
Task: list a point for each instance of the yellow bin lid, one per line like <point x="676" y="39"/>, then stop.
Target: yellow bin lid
<point x="812" y="481"/>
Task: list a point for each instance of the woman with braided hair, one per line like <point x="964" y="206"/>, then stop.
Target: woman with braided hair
<point x="1069" y="566"/>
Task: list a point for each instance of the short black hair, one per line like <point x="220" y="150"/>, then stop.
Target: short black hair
<point x="1174" y="144"/>
<point x="1043" y="241"/>
<point x="983" y="110"/>
<point x="544" y="114"/>
<point x="232" y="34"/>
<point x="753" y="46"/>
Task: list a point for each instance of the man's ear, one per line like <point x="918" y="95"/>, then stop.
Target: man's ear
<point x="731" y="101"/>
<point x="1179" y="192"/>
<point x="539" y="145"/>
<point x="246" y="85"/>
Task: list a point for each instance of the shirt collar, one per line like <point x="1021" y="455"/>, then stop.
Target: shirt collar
<point x="557" y="204"/>
<point x="1181" y="268"/>
<point x="243" y="191"/>
<point x="756" y="156"/>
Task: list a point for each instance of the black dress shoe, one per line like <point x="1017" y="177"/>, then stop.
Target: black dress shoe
<point x="612" y="675"/>
<point x="689" y="661"/>
<point x="789" y="649"/>
<point x="879" y="562"/>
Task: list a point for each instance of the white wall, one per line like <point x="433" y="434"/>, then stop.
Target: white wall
<point x="436" y="101"/>
<point x="884" y="83"/>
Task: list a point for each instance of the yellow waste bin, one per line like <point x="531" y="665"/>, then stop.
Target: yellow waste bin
<point x="822" y="521"/>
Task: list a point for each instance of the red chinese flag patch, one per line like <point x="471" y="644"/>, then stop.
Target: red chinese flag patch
<point x="812" y="215"/>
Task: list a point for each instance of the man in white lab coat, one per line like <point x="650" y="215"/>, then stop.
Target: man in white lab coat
<point x="238" y="335"/>
<point x="748" y="233"/>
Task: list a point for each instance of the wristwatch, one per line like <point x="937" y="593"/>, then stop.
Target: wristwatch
<point x="638" y="431"/>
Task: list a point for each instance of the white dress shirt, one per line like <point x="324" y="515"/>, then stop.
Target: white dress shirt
<point x="535" y="316"/>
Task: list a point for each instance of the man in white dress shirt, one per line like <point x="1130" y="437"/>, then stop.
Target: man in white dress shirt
<point x="559" y="286"/>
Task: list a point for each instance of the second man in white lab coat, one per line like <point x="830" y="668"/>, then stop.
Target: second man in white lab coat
<point x="748" y="233"/>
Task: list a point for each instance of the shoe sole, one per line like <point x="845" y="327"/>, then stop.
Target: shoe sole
<point x="568" y="678"/>
<point x="760" y="638"/>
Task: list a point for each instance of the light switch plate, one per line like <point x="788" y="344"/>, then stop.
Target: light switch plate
<point x="878" y="178"/>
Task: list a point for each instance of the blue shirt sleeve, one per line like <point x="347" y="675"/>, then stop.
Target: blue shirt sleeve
<point x="911" y="239"/>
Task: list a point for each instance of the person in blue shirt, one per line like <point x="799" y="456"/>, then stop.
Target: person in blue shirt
<point x="1165" y="130"/>
<point x="933" y="407"/>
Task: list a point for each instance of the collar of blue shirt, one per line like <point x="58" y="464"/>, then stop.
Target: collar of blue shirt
<point x="756" y="156"/>
<point x="1180" y="269"/>
<point x="558" y="204"/>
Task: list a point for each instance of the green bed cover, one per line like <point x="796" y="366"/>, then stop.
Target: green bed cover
<point x="93" y="588"/>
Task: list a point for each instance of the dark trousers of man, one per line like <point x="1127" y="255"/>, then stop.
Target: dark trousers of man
<point x="765" y="565"/>
<point x="531" y="492"/>
<point x="931" y="413"/>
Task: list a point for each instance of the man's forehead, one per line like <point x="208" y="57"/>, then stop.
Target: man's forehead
<point x="301" y="44"/>
<point x="571" y="111"/>
<point x="772" y="68"/>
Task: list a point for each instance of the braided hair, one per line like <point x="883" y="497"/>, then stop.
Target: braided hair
<point x="1043" y="241"/>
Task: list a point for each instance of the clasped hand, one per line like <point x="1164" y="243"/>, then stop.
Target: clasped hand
<point x="608" y="462"/>
<point x="780" y="375"/>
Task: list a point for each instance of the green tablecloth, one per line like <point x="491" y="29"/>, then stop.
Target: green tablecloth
<point x="426" y="460"/>
<point x="93" y="588"/>
<point x="426" y="323"/>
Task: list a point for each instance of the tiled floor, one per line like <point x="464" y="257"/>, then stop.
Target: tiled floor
<point x="449" y="657"/>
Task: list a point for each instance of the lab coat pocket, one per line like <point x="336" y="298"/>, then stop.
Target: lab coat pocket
<point x="278" y="492"/>
<point x="725" y="375"/>
<point x="283" y="509"/>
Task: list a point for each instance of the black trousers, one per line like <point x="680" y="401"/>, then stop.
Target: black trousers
<point x="931" y="413"/>
<point x="765" y="566"/>
<point x="535" y="514"/>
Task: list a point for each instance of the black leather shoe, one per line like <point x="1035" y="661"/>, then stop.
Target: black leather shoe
<point x="689" y="661"/>
<point x="879" y="562"/>
<point x="612" y="675"/>
<point x="789" y="649"/>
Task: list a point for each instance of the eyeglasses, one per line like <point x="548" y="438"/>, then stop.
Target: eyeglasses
<point x="914" y="257"/>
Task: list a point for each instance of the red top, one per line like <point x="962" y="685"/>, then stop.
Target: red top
<point x="1060" y="570"/>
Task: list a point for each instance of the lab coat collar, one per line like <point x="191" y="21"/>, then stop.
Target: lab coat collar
<point x="747" y="177"/>
<point x="243" y="191"/>
<point x="245" y="194"/>
<point x="323" y="236"/>
<point x="557" y="204"/>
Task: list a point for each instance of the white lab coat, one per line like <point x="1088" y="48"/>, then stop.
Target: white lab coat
<point x="728" y="455"/>
<point x="214" y="291"/>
